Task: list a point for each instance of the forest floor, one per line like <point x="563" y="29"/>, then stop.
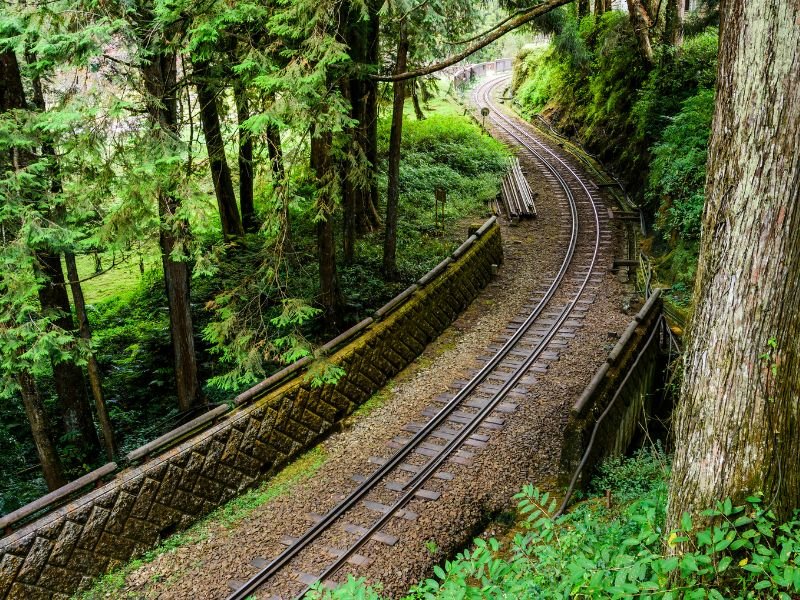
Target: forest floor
<point x="526" y="450"/>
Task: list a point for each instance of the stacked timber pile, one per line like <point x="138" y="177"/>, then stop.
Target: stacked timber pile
<point x="516" y="194"/>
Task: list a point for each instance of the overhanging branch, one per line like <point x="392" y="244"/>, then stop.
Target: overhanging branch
<point x="491" y="36"/>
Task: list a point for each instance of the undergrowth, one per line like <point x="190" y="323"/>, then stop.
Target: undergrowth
<point x="622" y="551"/>
<point x="650" y="125"/>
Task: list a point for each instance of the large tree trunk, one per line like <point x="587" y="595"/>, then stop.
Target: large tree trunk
<point x="738" y="425"/>
<point x="246" y="203"/>
<point x="220" y="172"/>
<point x="330" y="296"/>
<point x="641" y="22"/>
<point x="395" y="139"/>
<point x="159" y="76"/>
<point x="368" y="217"/>
<point x="583" y="8"/>
<point x="95" y="378"/>
<point x="34" y="409"/>
<point x="673" y="29"/>
<point x="68" y="377"/>
<point x="360" y="214"/>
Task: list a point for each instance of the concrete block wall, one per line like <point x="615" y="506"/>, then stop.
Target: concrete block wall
<point x="64" y="551"/>
<point x="628" y="417"/>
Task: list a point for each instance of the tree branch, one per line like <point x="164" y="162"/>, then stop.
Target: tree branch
<point x="498" y="32"/>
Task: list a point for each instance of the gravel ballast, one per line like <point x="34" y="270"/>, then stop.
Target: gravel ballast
<point x="525" y="450"/>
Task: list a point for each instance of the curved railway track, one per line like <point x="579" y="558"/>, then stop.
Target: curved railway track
<point x="335" y="539"/>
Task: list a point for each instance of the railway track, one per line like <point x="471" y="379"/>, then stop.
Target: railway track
<point x="468" y="418"/>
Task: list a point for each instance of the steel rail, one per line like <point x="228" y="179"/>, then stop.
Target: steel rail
<point x="363" y="489"/>
<point x="419" y="479"/>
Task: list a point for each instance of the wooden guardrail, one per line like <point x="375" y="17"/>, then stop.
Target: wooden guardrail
<point x="207" y="419"/>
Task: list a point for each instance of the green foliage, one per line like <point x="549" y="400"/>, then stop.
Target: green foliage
<point x="593" y="552"/>
<point x="632" y="477"/>
<point x="678" y="169"/>
<point x="649" y="126"/>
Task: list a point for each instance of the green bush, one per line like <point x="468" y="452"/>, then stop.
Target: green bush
<point x="596" y="552"/>
<point x="648" y="125"/>
<point x="678" y="170"/>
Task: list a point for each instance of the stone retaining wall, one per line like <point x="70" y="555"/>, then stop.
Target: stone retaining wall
<point x="627" y="418"/>
<point x="62" y="552"/>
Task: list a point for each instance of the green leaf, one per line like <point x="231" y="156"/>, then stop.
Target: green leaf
<point x="686" y="522"/>
<point x="763" y="584"/>
<point x="724" y="564"/>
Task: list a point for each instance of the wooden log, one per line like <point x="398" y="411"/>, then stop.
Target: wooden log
<point x="178" y="432"/>
<point x="56" y="495"/>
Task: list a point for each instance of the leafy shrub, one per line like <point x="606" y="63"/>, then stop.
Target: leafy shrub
<point x="678" y="170"/>
<point x="633" y="477"/>
<point x="593" y="552"/>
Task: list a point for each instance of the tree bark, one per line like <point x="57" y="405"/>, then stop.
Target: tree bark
<point x="370" y="217"/>
<point x="246" y="204"/>
<point x="12" y="93"/>
<point x="641" y="22"/>
<point x="159" y="75"/>
<point x="68" y="377"/>
<point x="330" y="296"/>
<point x="583" y="8"/>
<point x="738" y="425"/>
<point x="673" y="29"/>
<point x="395" y="140"/>
<point x="95" y="377"/>
<point x="415" y="99"/>
<point x="220" y="172"/>
<point x="34" y="410"/>
<point x="360" y="215"/>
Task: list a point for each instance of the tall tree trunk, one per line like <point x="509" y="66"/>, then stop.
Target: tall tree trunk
<point x="641" y="22"/>
<point x="583" y="8"/>
<point x="330" y="296"/>
<point x="246" y="204"/>
<point x="159" y="75"/>
<point x="738" y="425"/>
<point x="220" y="173"/>
<point x="275" y="151"/>
<point x="352" y="190"/>
<point x="34" y="410"/>
<point x="599" y="7"/>
<point x="395" y="139"/>
<point x="673" y="30"/>
<point x="95" y="378"/>
<point x="369" y="217"/>
<point x="415" y="98"/>
<point x="69" y="380"/>
<point x="68" y="377"/>
<point x="360" y="215"/>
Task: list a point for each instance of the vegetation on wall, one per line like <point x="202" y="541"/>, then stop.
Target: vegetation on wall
<point x="130" y="321"/>
<point x="649" y="124"/>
